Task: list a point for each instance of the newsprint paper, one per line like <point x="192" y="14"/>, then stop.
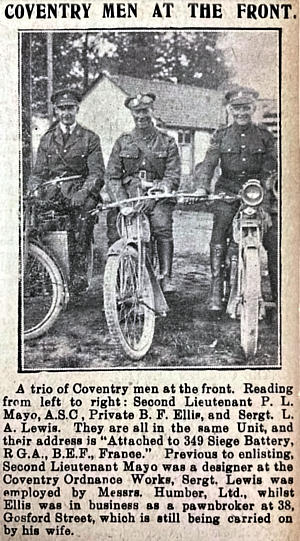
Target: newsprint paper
<point x="127" y="413"/>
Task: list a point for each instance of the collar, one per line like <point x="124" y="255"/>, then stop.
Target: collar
<point x="63" y="127"/>
<point x="242" y="129"/>
<point x="145" y="134"/>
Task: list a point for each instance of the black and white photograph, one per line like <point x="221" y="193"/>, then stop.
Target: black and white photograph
<point x="150" y="199"/>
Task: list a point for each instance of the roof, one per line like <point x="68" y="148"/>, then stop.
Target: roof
<point x="176" y="105"/>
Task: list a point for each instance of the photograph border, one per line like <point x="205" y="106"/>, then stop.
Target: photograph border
<point x="278" y="366"/>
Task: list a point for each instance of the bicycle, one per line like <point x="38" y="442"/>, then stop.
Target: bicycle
<point x="132" y="293"/>
<point x="46" y="263"/>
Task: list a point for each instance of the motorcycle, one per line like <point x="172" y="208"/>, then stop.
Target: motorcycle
<point x="45" y="257"/>
<point x="243" y="284"/>
<point x="242" y="291"/>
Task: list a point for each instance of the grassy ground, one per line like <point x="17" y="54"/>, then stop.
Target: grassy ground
<point x="185" y="338"/>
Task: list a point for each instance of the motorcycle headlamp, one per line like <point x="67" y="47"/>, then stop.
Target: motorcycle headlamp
<point x="252" y="193"/>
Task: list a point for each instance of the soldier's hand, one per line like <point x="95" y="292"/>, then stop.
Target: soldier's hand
<point x="165" y="187"/>
<point x="200" y="192"/>
<point x="90" y="203"/>
<point x="79" y="198"/>
<point x="267" y="219"/>
<point x="33" y="186"/>
<point x="194" y="197"/>
<point x="147" y="205"/>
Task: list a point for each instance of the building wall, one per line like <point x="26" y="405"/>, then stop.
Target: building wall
<point x="202" y="139"/>
<point x="103" y="111"/>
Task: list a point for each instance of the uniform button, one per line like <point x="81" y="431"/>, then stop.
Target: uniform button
<point x="243" y="146"/>
<point x="242" y="135"/>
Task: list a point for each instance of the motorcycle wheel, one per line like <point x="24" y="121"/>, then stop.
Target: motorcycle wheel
<point x="250" y="285"/>
<point x="129" y="314"/>
<point x="44" y="290"/>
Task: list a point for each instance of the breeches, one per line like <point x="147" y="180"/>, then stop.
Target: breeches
<point x="222" y="222"/>
<point x="81" y="232"/>
<point x="161" y="220"/>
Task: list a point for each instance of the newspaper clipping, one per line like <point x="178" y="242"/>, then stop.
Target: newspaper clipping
<point x="149" y="270"/>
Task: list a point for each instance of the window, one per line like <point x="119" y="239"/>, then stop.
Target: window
<point x="185" y="143"/>
<point x="184" y="137"/>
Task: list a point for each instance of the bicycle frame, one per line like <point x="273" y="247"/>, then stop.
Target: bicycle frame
<point x="134" y="230"/>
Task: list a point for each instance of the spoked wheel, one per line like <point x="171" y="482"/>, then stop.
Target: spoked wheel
<point x="43" y="292"/>
<point x="250" y="287"/>
<point x="129" y="312"/>
<point x="90" y="263"/>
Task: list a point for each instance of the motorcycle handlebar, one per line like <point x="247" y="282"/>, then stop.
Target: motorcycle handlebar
<point x="181" y="196"/>
<point x="52" y="182"/>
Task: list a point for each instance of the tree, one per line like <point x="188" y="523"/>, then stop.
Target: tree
<point x="187" y="57"/>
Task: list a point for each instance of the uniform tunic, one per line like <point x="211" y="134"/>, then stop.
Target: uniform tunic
<point x="81" y="155"/>
<point x="243" y="152"/>
<point x="157" y="154"/>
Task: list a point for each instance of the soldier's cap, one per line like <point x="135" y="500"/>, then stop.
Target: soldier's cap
<point x="241" y="96"/>
<point x="66" y="96"/>
<point x="140" y="101"/>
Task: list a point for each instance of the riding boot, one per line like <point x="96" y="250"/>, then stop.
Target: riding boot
<point x="79" y="281"/>
<point x="165" y="249"/>
<point x="217" y="258"/>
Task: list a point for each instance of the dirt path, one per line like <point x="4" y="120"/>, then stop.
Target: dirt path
<point x="185" y="338"/>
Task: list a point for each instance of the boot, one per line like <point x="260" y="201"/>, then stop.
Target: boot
<point x="79" y="281"/>
<point x="217" y="258"/>
<point x="165" y="249"/>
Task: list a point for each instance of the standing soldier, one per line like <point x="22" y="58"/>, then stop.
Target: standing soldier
<point x="147" y="153"/>
<point x="244" y="150"/>
<point x="68" y="149"/>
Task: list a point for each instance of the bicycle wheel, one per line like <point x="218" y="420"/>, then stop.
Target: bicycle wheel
<point x="129" y="313"/>
<point x="250" y="286"/>
<point x="90" y="263"/>
<point x="43" y="292"/>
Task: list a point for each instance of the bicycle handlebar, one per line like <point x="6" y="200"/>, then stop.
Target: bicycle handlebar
<point x="53" y="181"/>
<point x="174" y="195"/>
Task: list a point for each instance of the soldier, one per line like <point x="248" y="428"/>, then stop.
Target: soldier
<point x="149" y="153"/>
<point x="244" y="150"/>
<point x="68" y="149"/>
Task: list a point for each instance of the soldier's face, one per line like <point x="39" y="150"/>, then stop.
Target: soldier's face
<point x="142" y="117"/>
<point x="242" y="114"/>
<point x="66" y="114"/>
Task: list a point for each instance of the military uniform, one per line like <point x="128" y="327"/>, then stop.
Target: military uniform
<point x="80" y="154"/>
<point x="152" y="154"/>
<point x="159" y="158"/>
<point x="67" y="152"/>
<point x="243" y="151"/>
<point x="156" y="155"/>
